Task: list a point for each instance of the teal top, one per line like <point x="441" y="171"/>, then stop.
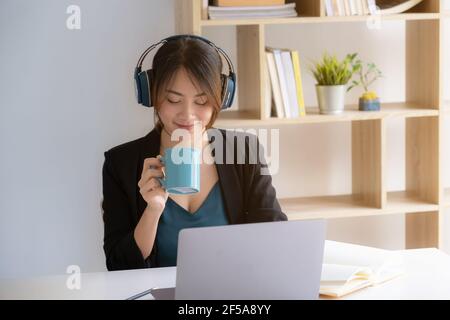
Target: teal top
<point x="175" y="217"/>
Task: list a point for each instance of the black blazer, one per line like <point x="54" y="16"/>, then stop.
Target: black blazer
<point x="248" y="196"/>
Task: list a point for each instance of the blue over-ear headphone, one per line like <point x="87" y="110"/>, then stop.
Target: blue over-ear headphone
<point x="143" y="79"/>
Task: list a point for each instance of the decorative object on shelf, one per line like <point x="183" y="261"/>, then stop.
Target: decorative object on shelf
<point x="332" y="77"/>
<point x="365" y="7"/>
<point x="369" y="101"/>
<point x="395" y="6"/>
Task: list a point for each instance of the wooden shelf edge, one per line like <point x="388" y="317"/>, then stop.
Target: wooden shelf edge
<point x="303" y="20"/>
<point x="351" y="113"/>
<point x="344" y="206"/>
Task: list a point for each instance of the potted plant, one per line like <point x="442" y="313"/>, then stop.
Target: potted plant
<point x="332" y="77"/>
<point x="369" y="101"/>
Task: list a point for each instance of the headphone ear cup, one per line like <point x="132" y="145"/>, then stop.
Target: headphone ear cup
<point x="143" y="86"/>
<point x="228" y="91"/>
<point x="223" y="84"/>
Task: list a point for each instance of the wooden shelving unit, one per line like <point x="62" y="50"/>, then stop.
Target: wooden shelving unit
<point x="424" y="198"/>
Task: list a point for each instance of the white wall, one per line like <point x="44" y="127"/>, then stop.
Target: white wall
<point x="67" y="96"/>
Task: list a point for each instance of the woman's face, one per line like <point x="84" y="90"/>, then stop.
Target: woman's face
<point x="183" y="105"/>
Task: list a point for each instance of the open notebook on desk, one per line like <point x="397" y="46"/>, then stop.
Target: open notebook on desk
<point x="349" y="267"/>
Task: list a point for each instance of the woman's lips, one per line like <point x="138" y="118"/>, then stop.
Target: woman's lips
<point x="188" y="127"/>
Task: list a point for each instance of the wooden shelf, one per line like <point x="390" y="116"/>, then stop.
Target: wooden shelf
<point x="324" y="207"/>
<point x="344" y="206"/>
<point x="302" y="20"/>
<point x="404" y="202"/>
<point x="230" y="119"/>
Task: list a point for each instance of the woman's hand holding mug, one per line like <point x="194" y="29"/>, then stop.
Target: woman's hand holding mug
<point x="150" y="188"/>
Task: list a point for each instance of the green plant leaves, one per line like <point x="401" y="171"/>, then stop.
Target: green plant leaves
<point x="330" y="71"/>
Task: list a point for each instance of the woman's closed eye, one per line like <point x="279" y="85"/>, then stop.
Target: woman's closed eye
<point x="173" y="101"/>
<point x="200" y="103"/>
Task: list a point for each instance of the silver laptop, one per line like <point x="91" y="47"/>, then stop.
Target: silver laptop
<point x="270" y="260"/>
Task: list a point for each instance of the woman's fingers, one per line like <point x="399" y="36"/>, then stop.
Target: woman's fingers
<point x="150" y="185"/>
<point x="151" y="162"/>
<point x="150" y="173"/>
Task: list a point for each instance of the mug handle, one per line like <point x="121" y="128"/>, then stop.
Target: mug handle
<point x="162" y="180"/>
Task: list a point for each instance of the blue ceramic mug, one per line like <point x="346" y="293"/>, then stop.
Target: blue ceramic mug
<point x="182" y="170"/>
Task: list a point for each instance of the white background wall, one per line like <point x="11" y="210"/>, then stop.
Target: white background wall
<point x="67" y="96"/>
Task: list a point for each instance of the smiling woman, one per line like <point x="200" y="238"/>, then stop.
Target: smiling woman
<point x="141" y="220"/>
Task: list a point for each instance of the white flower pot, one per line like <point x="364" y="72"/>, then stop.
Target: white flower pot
<point x="331" y="99"/>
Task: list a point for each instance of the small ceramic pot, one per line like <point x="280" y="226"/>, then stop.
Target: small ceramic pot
<point x="369" y="105"/>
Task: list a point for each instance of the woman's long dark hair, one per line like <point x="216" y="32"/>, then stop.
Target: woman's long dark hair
<point x="200" y="60"/>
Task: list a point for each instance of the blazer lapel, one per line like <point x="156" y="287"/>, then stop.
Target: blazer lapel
<point x="229" y="182"/>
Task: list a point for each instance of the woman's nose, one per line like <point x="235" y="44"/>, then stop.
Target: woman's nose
<point x="188" y="109"/>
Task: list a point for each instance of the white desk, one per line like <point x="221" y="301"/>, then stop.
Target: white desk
<point x="427" y="276"/>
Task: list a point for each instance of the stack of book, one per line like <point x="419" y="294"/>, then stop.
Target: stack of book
<point x="246" y="9"/>
<point x="284" y="89"/>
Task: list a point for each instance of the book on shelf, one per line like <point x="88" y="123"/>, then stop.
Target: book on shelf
<point x="347" y="8"/>
<point x="353" y="7"/>
<point x="249" y="12"/>
<point x="268" y="98"/>
<point x="349" y="267"/>
<point x="277" y="108"/>
<point x="359" y="7"/>
<point x="205" y="4"/>
<point x="372" y="7"/>
<point x="367" y="7"/>
<point x="291" y="89"/>
<point x="298" y="82"/>
<point x="282" y="81"/>
<point x="244" y="3"/>
<point x="286" y="85"/>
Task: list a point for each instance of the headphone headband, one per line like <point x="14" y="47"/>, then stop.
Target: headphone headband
<point x="179" y="36"/>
